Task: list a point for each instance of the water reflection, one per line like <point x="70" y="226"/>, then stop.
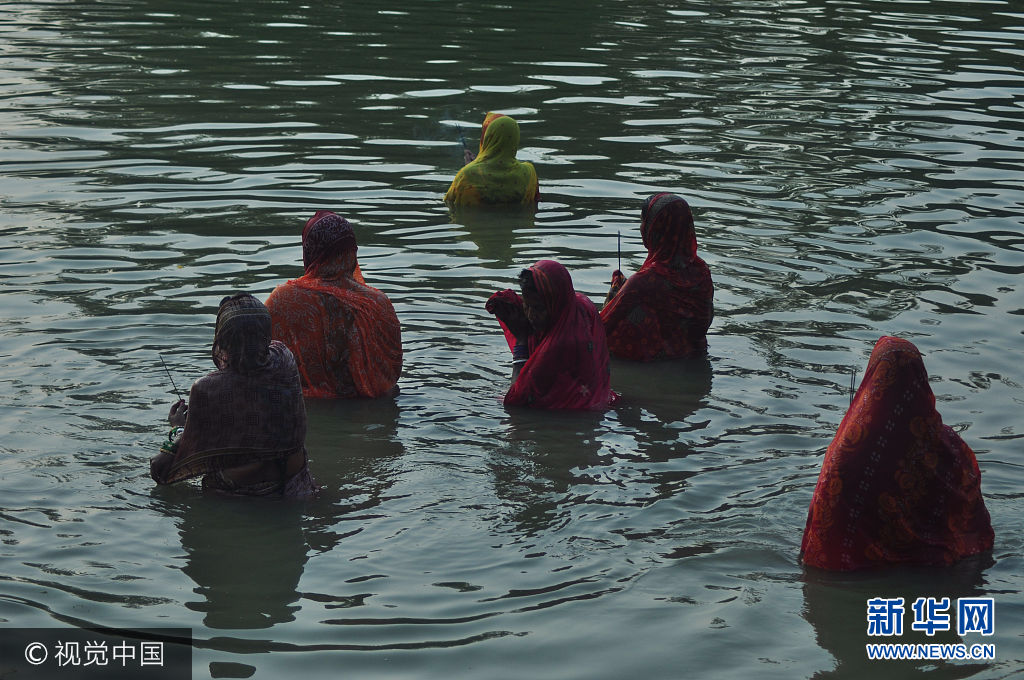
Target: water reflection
<point x="245" y="558"/>
<point x="548" y="462"/>
<point x="494" y="230"/>
<point x="661" y="393"/>
<point x="536" y="466"/>
<point x="355" y="453"/>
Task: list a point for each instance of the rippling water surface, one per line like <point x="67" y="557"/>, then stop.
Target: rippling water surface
<point x="855" y="170"/>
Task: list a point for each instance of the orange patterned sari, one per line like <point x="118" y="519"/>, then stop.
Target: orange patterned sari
<point x="345" y="335"/>
<point x="896" y="486"/>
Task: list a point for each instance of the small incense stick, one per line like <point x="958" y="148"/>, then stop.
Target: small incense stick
<point x="853" y="383"/>
<point x="462" y="137"/>
<point x="169" y="375"/>
<point x="620" y="251"/>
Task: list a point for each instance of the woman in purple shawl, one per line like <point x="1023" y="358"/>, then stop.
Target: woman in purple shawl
<point x="244" y="427"/>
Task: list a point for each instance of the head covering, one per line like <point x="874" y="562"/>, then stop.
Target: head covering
<point x="568" y="364"/>
<point x="345" y="334"/>
<point x="664" y="310"/>
<point x="896" y="485"/>
<point x="488" y="119"/>
<point x="666" y="228"/>
<point x="325" y="238"/>
<point x="250" y="410"/>
<point x="495" y="177"/>
<point x="241" y="339"/>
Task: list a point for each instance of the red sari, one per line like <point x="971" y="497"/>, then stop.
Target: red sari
<point x="568" y="364"/>
<point x="664" y="310"/>
<point x="345" y="335"/>
<point x="896" y="486"/>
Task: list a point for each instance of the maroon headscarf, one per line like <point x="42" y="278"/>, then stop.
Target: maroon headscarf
<point x="666" y="228"/>
<point x="325" y="236"/>
<point x="568" y="364"/>
<point x="896" y="486"/>
<point x="664" y="310"/>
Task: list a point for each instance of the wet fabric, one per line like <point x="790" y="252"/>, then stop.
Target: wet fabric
<point x="896" y="485"/>
<point x="568" y="364"/>
<point x="488" y="119"/>
<point x="325" y="236"/>
<point x="299" y="485"/>
<point x="495" y="177"/>
<point x="663" y="310"/>
<point x="345" y="335"/>
<point x="249" y="410"/>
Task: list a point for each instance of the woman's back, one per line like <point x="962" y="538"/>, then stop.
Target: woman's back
<point x="664" y="310"/>
<point x="495" y="177"/>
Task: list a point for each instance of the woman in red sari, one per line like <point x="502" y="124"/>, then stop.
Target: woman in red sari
<point x="896" y="486"/>
<point x="244" y="426"/>
<point x="345" y="334"/>
<point x="664" y="310"/>
<point x="559" y="354"/>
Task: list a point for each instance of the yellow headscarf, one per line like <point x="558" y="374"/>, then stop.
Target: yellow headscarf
<point x="495" y="176"/>
<point x="488" y="119"/>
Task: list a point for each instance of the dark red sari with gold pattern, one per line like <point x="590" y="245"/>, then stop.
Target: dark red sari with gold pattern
<point x="896" y="486"/>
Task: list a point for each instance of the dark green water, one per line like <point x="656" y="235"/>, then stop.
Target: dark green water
<point x="855" y="169"/>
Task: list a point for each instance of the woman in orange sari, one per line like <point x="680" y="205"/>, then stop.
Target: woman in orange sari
<point x="896" y="486"/>
<point x="345" y="334"/>
<point x="495" y="177"/>
<point x="664" y="310"/>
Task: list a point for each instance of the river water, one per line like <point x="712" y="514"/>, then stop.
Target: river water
<point x="855" y="169"/>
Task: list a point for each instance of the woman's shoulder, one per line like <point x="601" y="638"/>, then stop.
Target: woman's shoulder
<point x="699" y="263"/>
<point x="375" y="293"/>
<point x="644" y="280"/>
<point x="280" y="354"/>
<point x="285" y="292"/>
<point x="283" y="369"/>
<point x="210" y="383"/>
<point x="380" y="306"/>
<point x="294" y="302"/>
<point x="585" y="303"/>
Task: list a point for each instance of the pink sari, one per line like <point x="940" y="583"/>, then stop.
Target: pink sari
<point x="568" y="364"/>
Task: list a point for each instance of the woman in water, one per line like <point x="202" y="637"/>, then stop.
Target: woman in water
<point x="244" y="426"/>
<point x="664" y="310"/>
<point x="345" y="334"/>
<point x="559" y="354"/>
<point x="495" y="177"/>
<point x="896" y="486"/>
